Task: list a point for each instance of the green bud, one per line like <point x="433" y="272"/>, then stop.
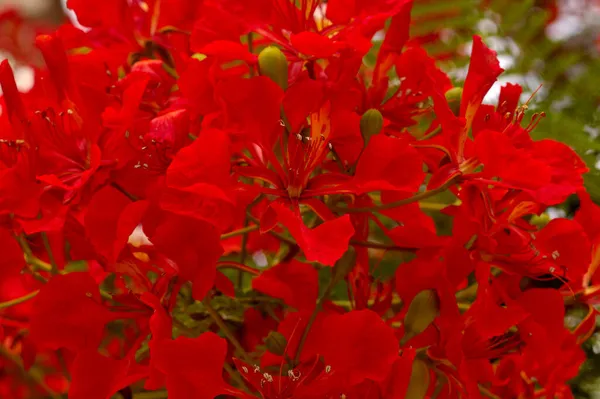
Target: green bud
<point x="421" y="312"/>
<point x="541" y="220"/>
<point x="276" y="343"/>
<point x="453" y="96"/>
<point x="371" y="123"/>
<point x="419" y="381"/>
<point x="272" y="63"/>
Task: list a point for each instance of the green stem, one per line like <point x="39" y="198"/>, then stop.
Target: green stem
<point x="30" y="258"/>
<point x="312" y="319"/>
<point x="379" y="245"/>
<point x="485" y="392"/>
<point x="229" y="264"/>
<point x="17" y="301"/>
<point x="243" y="231"/>
<point x="275" y="234"/>
<point x="240" y="275"/>
<point x="226" y="331"/>
<point x="35" y="378"/>
<point x="48" y="249"/>
<point x="432" y="134"/>
<point x="236" y="377"/>
<point x="151" y="395"/>
<point x="405" y="201"/>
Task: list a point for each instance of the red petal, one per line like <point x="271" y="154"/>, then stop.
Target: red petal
<point x="106" y="13"/>
<point x="193" y="366"/>
<point x="302" y="98"/>
<point x="206" y="160"/>
<point x="399" y="378"/>
<point x="227" y="50"/>
<point x="359" y="345"/>
<point x="67" y="313"/>
<point x="484" y="69"/>
<point x="566" y="243"/>
<point x="502" y="159"/>
<point x="102" y="221"/>
<point x="340" y="11"/>
<point x="296" y="283"/>
<point x="194" y="246"/>
<point x="95" y="376"/>
<point x="313" y="44"/>
<point x="252" y="107"/>
<point x="325" y="243"/>
<point x="388" y="164"/>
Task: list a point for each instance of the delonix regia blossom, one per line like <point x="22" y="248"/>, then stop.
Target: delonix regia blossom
<point x="268" y="168"/>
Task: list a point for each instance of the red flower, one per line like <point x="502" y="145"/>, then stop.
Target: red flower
<point x="68" y="313"/>
<point x="297" y="284"/>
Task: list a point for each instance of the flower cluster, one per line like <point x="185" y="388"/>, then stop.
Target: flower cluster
<point x="247" y="198"/>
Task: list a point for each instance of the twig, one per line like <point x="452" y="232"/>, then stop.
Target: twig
<point x="226" y="331"/>
<point x="405" y="201"/>
<point x="242" y="231"/>
<point x="17" y="301"/>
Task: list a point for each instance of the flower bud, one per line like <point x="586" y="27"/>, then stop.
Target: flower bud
<point x="453" y="97"/>
<point x="421" y="312"/>
<point x="419" y="381"/>
<point x="276" y="343"/>
<point x="272" y="63"/>
<point x="371" y="123"/>
<point x="541" y="220"/>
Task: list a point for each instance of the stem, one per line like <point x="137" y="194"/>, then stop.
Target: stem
<point x="124" y="192"/>
<point x="48" y="248"/>
<point x="17" y="301"/>
<point x="150" y="395"/>
<point x="30" y="258"/>
<point x="275" y="234"/>
<point x="485" y="392"/>
<point x="236" y="377"/>
<point x="432" y="134"/>
<point x="226" y="331"/>
<point x="240" y="276"/>
<point x="34" y="378"/>
<point x="405" y="201"/>
<point x="378" y="245"/>
<point x="312" y="319"/>
<point x="432" y="206"/>
<point x="260" y="299"/>
<point x="242" y="231"/>
<point x="229" y="264"/>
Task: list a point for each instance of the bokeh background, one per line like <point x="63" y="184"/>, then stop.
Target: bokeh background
<point x="550" y="47"/>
